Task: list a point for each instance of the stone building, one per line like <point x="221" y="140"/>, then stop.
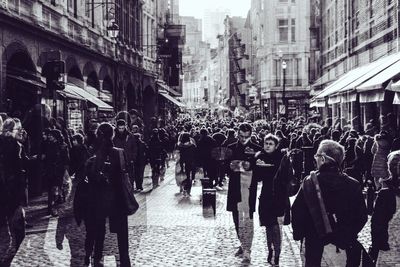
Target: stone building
<point x="281" y="36"/>
<point x="358" y="45"/>
<point x="102" y="74"/>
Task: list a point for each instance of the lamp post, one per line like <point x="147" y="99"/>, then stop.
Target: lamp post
<point x="284" y="65"/>
<point x="113" y="31"/>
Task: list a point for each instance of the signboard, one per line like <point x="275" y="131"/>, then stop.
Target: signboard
<point x="282" y="109"/>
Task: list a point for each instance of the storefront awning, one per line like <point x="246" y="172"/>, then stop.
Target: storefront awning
<point x="68" y="93"/>
<point x="394" y="86"/>
<point x="318" y="103"/>
<point x="99" y="94"/>
<point x="173" y="100"/>
<point x="396" y="99"/>
<point x="355" y="77"/>
<point x="378" y="80"/>
<point x="27" y="80"/>
<point x="164" y="86"/>
<point x="372" y="96"/>
<point x="89" y="97"/>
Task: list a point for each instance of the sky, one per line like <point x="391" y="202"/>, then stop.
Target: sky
<point x="196" y="7"/>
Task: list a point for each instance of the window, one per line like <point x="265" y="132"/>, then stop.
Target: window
<point x="262" y="4"/>
<point x="283" y="30"/>
<point x="293" y="30"/>
<point x="283" y="1"/>
<point x="53" y="2"/>
<point x="72" y="7"/>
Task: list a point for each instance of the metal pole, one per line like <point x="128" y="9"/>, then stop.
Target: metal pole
<point x="283" y="92"/>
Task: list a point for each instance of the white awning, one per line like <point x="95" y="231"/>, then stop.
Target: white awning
<point x="173" y="100"/>
<point x="355" y="77"/>
<point x="372" y="96"/>
<point x="394" y="87"/>
<point x="378" y="80"/>
<point x="167" y="88"/>
<point x="318" y="103"/>
<point x="396" y="99"/>
<point x="99" y="94"/>
<point x="89" y="97"/>
<point x="29" y="81"/>
<point x="70" y="94"/>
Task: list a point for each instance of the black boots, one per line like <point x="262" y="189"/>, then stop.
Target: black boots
<point x="269" y="258"/>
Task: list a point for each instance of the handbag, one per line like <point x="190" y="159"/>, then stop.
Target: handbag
<point x="128" y="197"/>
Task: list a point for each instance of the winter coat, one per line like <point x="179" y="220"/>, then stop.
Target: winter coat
<point x="204" y="148"/>
<point x="384" y="209"/>
<point x="380" y="150"/>
<point x="188" y="153"/>
<point x="266" y="208"/>
<point x="155" y="150"/>
<point x="12" y="175"/>
<point x="79" y="155"/>
<point x="234" y="187"/>
<point x="343" y="200"/>
<point x="58" y="161"/>
<point x="105" y="198"/>
<point x="127" y="142"/>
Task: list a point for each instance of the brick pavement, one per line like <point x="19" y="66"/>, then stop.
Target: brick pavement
<point x="168" y="230"/>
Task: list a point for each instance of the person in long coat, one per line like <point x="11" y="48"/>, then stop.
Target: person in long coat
<point x="380" y="150"/>
<point x="267" y="164"/>
<point x="104" y="174"/>
<point x="242" y="162"/>
<point x="58" y="161"/>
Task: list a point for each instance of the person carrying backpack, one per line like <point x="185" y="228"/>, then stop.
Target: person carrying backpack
<point x="329" y="208"/>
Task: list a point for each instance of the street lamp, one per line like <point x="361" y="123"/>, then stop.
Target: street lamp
<point x="284" y="65"/>
<point x="113" y="29"/>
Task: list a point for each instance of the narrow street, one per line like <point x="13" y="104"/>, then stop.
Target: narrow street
<point x="168" y="230"/>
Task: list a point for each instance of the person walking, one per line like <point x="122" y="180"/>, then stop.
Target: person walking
<point x="329" y="208"/>
<point x="12" y="184"/>
<point x="58" y="160"/>
<point x="384" y="208"/>
<point x="380" y="151"/>
<point x="242" y="162"/>
<point x="267" y="164"/>
<point x="124" y="139"/>
<point x="155" y="154"/>
<point x="104" y="174"/>
<point x="141" y="161"/>
<point x="188" y="155"/>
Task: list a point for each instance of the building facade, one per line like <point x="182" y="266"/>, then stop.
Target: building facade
<point x="75" y="32"/>
<point x="280" y="31"/>
<point x="354" y="35"/>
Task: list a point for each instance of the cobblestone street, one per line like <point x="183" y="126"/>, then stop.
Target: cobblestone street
<point x="168" y="230"/>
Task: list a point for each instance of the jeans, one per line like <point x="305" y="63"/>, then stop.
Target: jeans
<point x="244" y="227"/>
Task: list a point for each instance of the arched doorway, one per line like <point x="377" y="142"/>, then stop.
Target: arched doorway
<point x="92" y="80"/>
<point x="22" y="85"/>
<point x="108" y="89"/>
<point x="131" y="96"/>
<point x="149" y="106"/>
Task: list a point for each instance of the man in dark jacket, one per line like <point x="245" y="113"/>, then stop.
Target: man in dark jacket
<point x="204" y="147"/>
<point x="242" y="162"/>
<point x="342" y="203"/>
<point x="125" y="140"/>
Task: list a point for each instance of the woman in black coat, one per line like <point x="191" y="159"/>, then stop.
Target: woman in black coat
<point x="155" y="154"/>
<point x="58" y="161"/>
<point x="187" y="151"/>
<point x="104" y="173"/>
<point x="267" y="165"/>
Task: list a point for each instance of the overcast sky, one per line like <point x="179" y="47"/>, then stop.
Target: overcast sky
<point x="196" y="7"/>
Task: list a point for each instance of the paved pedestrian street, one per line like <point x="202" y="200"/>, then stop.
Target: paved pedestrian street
<point x="168" y="230"/>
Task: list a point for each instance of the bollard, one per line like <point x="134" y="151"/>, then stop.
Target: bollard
<point x="209" y="202"/>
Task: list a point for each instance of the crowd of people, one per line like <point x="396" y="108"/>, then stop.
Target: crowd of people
<point x="330" y="167"/>
<point x="339" y="176"/>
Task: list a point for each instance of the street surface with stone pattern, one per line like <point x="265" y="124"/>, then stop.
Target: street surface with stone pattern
<point x="170" y="230"/>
